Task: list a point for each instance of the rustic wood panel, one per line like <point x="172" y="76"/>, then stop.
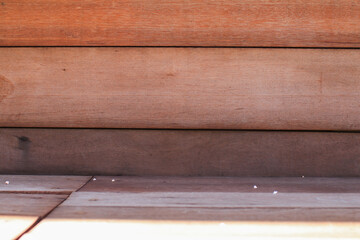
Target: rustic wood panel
<point x="41" y="184"/>
<point x="211" y="88"/>
<point x="202" y="214"/>
<point x="299" y="23"/>
<point x="179" y="152"/>
<point x="101" y="213"/>
<point x="26" y="199"/>
<point x="214" y="200"/>
<point x="18" y="212"/>
<point x="222" y="184"/>
<point x="17" y="204"/>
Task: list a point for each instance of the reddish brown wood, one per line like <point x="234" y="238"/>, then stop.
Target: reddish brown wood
<point x="215" y="88"/>
<point x="297" y="23"/>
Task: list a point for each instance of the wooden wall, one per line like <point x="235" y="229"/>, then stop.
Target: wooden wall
<point x="202" y="67"/>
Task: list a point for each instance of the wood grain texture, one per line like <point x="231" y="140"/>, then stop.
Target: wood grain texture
<point x="179" y="152"/>
<point x="102" y="213"/>
<point x="197" y="88"/>
<point x="41" y="184"/>
<point x="214" y="200"/>
<point x="191" y="210"/>
<point x="116" y="184"/>
<point x="18" y="212"/>
<point x="299" y="23"/>
<point x="16" y="204"/>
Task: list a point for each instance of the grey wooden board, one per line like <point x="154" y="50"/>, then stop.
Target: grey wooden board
<point x="41" y="183"/>
<point x="18" y="212"/>
<point x="179" y="152"/>
<point x="215" y="199"/>
<point x="28" y="204"/>
<point x="186" y="208"/>
<point x="207" y="214"/>
<point x="222" y="184"/>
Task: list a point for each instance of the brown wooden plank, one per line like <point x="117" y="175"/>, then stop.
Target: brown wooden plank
<point x="18" y="212"/>
<point x="179" y="153"/>
<point x="17" y="204"/>
<point x="116" y="184"/>
<point x="41" y="184"/>
<point x="216" y="88"/>
<point x="201" y="214"/>
<point x="299" y="23"/>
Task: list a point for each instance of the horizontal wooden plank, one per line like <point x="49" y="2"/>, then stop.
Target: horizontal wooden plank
<point x="41" y="184"/>
<point x="18" y="212"/>
<point x="101" y="213"/>
<point x="223" y="184"/>
<point x="215" y="200"/>
<point x="300" y="23"/>
<point x="191" y="210"/>
<point x="17" y="204"/>
<point x="179" y="153"/>
<point x="207" y="88"/>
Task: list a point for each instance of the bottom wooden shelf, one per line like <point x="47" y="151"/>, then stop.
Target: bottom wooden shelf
<point x="205" y="208"/>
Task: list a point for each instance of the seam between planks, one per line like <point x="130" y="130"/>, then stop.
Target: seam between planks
<point x="179" y="46"/>
<point x="40" y="218"/>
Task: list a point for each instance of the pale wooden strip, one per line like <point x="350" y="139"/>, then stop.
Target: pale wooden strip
<point x="41" y="183"/>
<point x="296" y="23"/>
<point x="182" y="153"/>
<point x="223" y="184"/>
<point x="94" y="213"/>
<point x="220" y="88"/>
<point x="215" y="199"/>
<point x="12" y="227"/>
<point x="107" y="229"/>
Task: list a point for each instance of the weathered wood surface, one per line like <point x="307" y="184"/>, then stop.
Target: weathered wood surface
<point x="207" y="88"/>
<point x="299" y="23"/>
<point x="41" y="184"/>
<point x="106" y="213"/>
<point x="18" y="212"/>
<point x="215" y="199"/>
<point x="116" y="184"/>
<point x="191" y="210"/>
<point x="28" y="204"/>
<point x="179" y="152"/>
